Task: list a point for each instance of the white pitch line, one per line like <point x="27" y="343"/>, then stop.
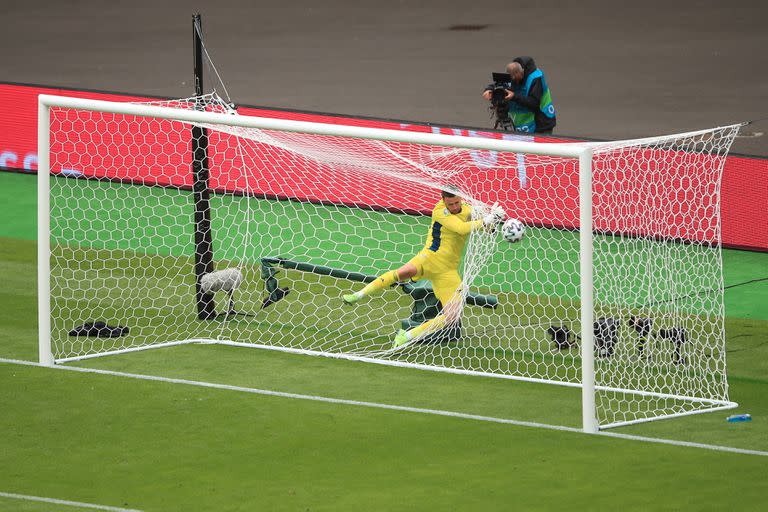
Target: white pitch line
<point x="80" y="504"/>
<point x="376" y="405"/>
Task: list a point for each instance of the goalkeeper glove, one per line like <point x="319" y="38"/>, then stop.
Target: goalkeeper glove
<point x="495" y="216"/>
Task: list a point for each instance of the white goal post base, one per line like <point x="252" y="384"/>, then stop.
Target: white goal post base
<point x="616" y="238"/>
<point x="713" y="405"/>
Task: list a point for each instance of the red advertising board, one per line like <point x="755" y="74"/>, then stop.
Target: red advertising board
<point x="744" y="187"/>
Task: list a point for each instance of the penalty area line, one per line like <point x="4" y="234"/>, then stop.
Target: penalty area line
<point x="80" y="504"/>
<point x="377" y="405"/>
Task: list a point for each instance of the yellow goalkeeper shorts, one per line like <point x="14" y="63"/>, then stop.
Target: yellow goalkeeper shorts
<point x="445" y="282"/>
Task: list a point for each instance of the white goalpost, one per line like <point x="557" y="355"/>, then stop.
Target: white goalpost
<point x="251" y="241"/>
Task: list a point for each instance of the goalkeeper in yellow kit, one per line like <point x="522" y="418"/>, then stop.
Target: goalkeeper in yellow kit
<point x="438" y="262"/>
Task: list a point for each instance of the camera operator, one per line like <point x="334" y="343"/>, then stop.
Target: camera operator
<point x="530" y="102"/>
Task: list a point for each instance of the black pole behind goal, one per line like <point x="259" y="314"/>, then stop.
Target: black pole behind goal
<point x="206" y="308"/>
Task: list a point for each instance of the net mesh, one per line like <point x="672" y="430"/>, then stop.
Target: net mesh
<point x="306" y="218"/>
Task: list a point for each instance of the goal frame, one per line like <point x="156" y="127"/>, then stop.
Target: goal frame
<point x="582" y="152"/>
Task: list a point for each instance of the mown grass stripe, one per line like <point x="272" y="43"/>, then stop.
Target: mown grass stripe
<point x="402" y="408"/>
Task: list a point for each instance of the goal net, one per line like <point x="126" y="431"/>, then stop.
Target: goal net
<point x="253" y="239"/>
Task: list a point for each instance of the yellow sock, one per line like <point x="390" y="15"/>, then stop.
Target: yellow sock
<point x="380" y="283"/>
<point x="429" y="327"/>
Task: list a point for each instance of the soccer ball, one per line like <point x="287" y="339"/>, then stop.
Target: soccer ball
<point x="512" y="230"/>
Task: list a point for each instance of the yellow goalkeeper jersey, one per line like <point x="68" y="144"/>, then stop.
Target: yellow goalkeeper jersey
<point x="448" y="236"/>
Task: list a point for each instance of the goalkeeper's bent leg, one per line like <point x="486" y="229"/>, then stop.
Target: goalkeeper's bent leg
<point x="450" y="313"/>
<point x="380" y="283"/>
<point x="427" y="327"/>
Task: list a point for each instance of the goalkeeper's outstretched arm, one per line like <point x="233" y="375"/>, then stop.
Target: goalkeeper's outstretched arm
<point x="490" y="220"/>
<point x="458" y="226"/>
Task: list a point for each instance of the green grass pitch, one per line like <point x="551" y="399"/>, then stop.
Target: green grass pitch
<point x="161" y="446"/>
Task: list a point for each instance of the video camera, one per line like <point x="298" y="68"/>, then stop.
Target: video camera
<point x="501" y="82"/>
<point x="499" y="105"/>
